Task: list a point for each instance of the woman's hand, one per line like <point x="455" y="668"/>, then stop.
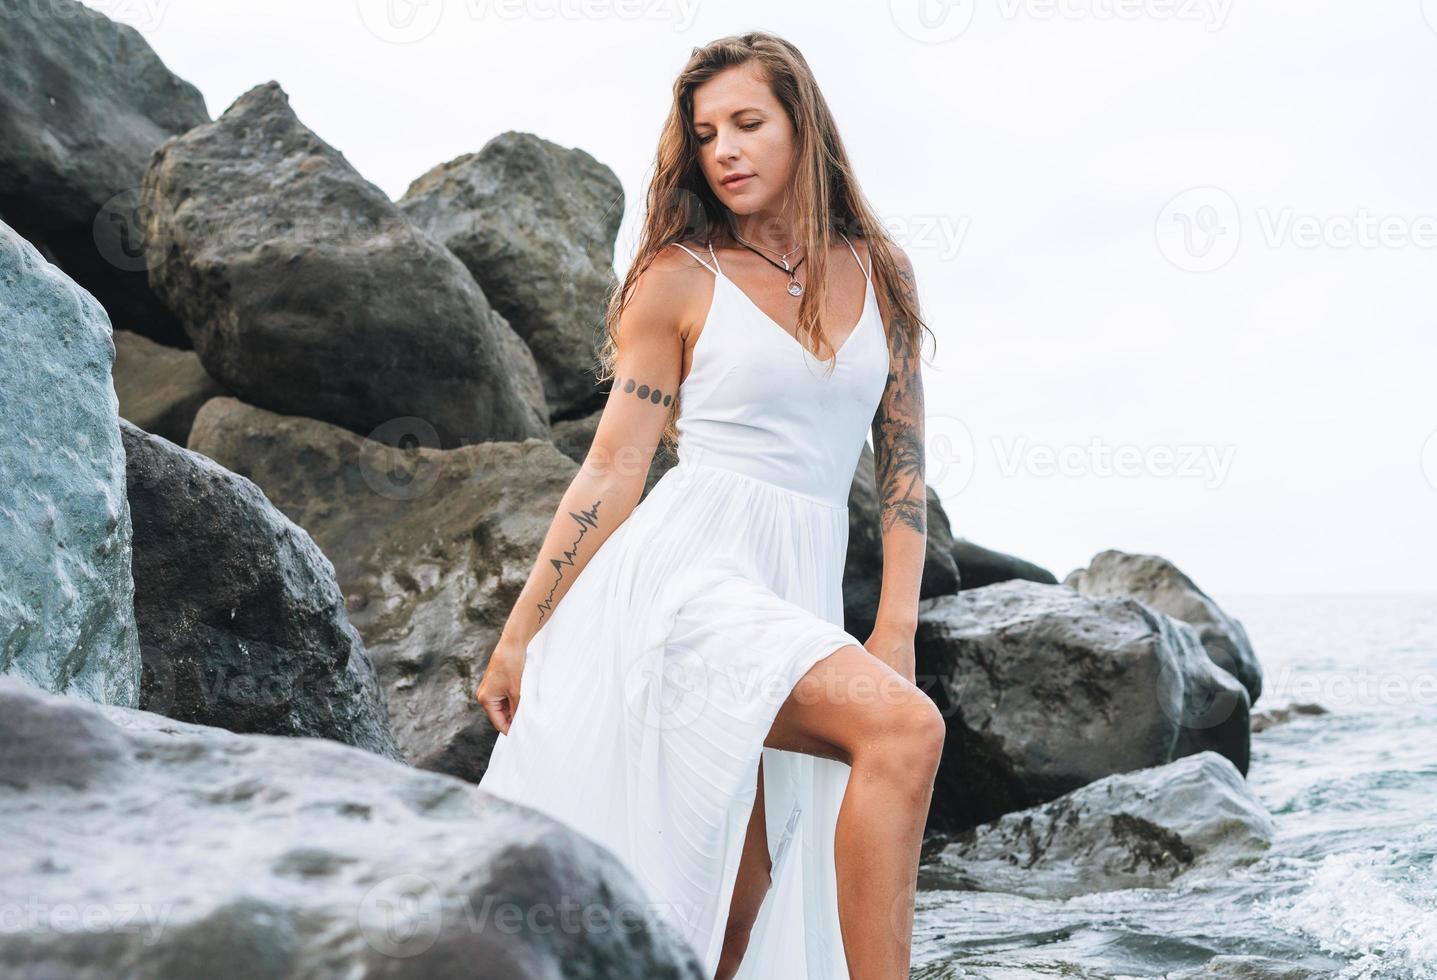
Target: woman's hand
<point x="498" y="689"/>
<point x="894" y="646"/>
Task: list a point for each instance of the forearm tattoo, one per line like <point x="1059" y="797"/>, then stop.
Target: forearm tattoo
<point x="898" y="426"/>
<point x="646" y="393"/>
<point x="585" y="519"/>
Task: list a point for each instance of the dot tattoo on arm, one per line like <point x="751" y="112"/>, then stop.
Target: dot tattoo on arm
<point x="644" y="392"/>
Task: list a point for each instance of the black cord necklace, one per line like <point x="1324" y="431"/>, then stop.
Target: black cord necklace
<point x="795" y="288"/>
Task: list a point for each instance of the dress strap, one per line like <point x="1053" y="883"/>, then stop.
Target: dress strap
<point x="868" y="272"/>
<point x="696" y="256"/>
<point x="713" y="256"/>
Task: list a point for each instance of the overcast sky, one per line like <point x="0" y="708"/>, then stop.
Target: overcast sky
<point x="1180" y="255"/>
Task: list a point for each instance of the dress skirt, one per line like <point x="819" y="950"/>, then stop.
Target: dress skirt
<point x="647" y="694"/>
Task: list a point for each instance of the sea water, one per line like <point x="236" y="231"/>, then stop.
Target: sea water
<point x="1349" y="887"/>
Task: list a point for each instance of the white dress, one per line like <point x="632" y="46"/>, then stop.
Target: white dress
<point x="648" y="692"/>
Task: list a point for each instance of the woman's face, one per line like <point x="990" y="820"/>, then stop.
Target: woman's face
<point x="742" y="130"/>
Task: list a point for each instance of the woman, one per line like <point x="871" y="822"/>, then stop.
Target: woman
<point x="690" y="699"/>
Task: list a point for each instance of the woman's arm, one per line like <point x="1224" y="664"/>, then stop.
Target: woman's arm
<point x="902" y="496"/>
<point x="611" y="480"/>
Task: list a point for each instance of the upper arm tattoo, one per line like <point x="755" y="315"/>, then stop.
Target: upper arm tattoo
<point x="644" y="392"/>
<point x="898" y="425"/>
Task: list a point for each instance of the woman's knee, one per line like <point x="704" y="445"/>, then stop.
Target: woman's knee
<point x="851" y="703"/>
<point x="930" y="729"/>
<point x="909" y="741"/>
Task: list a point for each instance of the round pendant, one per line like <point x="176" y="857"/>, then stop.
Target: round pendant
<point x="795" y="288"/>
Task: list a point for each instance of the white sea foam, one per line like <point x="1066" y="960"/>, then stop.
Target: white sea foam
<point x="1377" y="906"/>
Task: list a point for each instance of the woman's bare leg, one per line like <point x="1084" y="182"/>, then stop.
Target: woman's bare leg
<point x="853" y="707"/>
<point x="754" y="869"/>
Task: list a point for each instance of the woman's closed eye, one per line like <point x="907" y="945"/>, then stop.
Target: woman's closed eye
<point x="746" y="127"/>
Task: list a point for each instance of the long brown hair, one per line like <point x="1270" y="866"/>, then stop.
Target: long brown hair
<point x="680" y="206"/>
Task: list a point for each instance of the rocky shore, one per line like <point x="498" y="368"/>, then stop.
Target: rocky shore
<point x="279" y="455"/>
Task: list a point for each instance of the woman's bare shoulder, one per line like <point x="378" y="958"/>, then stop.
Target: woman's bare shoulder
<point x="860" y="245"/>
<point x="669" y="291"/>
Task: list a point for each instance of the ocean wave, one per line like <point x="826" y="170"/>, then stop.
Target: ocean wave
<point x="1377" y="908"/>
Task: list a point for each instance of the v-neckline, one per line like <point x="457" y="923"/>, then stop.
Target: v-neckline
<point x="862" y="315"/>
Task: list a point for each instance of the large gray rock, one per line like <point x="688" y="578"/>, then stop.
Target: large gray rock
<point x="431" y="547"/>
<point x="241" y="620"/>
<point x="1193" y="817"/>
<point x="306" y="291"/>
<point x="67" y="615"/>
<point x="1273" y="716"/>
<point x="145" y="847"/>
<point x="1158" y="583"/>
<point x="1216" y="714"/>
<point x="83" y="103"/>
<point x="160" y="388"/>
<point x="1239" y="967"/>
<point x="979" y="566"/>
<point x="535" y="223"/>
<point x="863" y="568"/>
<point x="1045" y="690"/>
